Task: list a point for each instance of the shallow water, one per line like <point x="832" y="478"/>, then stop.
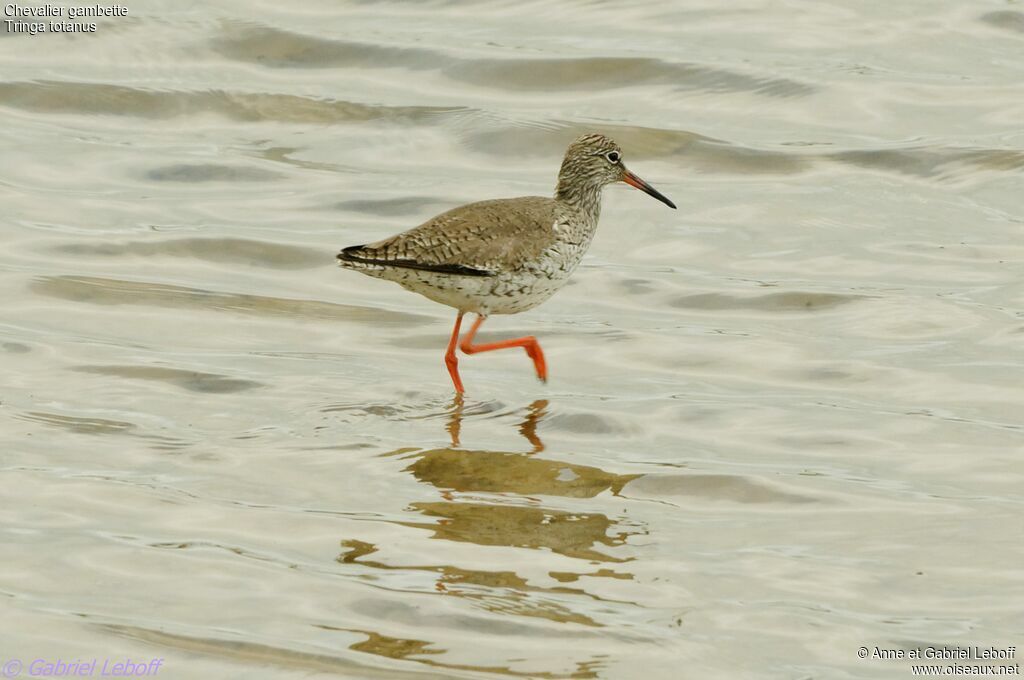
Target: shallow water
<point x="783" y="422"/>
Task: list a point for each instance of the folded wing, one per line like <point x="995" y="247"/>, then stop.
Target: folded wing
<point x="479" y="239"/>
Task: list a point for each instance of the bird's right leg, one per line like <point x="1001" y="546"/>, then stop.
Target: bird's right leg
<point x="450" y="360"/>
<point x="529" y="343"/>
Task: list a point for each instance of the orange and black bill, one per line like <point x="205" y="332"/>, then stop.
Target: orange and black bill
<point x="634" y="181"/>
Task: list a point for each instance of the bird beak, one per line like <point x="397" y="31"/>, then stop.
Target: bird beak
<point x="634" y="181"/>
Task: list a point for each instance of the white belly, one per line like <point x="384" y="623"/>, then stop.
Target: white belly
<point x="501" y="294"/>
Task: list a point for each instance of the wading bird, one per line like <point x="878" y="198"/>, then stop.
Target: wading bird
<point x="503" y="256"/>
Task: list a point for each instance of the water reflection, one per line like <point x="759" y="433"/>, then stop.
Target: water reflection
<point x="535" y="412"/>
<point x="469" y="471"/>
<point x="563" y="533"/>
<point x="412" y="649"/>
<point x="500" y="592"/>
<point x="504" y="500"/>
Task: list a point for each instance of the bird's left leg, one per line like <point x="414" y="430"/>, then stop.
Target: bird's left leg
<point x="529" y="343"/>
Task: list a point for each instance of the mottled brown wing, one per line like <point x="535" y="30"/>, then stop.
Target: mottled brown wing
<point x="479" y="239"/>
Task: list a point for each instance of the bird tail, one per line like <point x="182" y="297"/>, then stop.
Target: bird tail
<point x="352" y="254"/>
<point x="359" y="257"/>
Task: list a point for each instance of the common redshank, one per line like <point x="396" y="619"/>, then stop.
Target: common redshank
<point x="503" y="256"/>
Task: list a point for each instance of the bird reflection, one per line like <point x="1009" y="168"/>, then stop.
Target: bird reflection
<point x="536" y="508"/>
<point x="535" y="413"/>
<point x="507" y="472"/>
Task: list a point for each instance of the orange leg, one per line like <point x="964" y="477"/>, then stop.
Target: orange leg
<point x="529" y="343"/>
<point x="450" y="360"/>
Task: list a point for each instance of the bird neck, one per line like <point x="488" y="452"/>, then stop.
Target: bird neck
<point x="583" y="197"/>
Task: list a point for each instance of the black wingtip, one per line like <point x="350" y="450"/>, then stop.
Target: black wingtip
<point x="354" y="254"/>
<point x="349" y="254"/>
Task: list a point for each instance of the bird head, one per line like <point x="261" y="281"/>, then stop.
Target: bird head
<point x="596" y="160"/>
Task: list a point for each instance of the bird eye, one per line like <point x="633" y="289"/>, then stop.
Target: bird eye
<point x="612" y="156"/>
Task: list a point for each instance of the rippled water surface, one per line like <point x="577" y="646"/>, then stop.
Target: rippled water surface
<point x="783" y="422"/>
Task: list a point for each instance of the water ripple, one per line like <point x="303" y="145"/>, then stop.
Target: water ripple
<point x="61" y="97"/>
<point x="102" y="291"/>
